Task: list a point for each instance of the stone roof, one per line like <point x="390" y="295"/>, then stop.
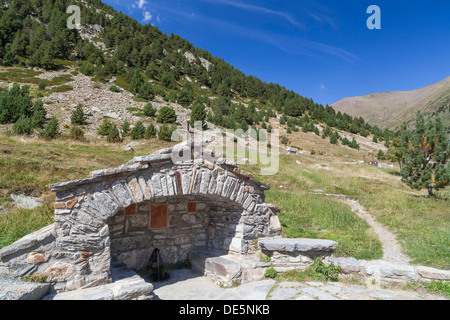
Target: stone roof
<point x="145" y="162"/>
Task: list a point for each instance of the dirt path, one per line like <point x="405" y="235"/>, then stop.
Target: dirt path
<point x="392" y="251"/>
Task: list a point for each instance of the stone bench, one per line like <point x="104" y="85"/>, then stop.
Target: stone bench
<point x="298" y="254"/>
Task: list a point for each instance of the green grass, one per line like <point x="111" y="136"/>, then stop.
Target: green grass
<point x="312" y="216"/>
<point x="19" y="75"/>
<point x="61" y="88"/>
<point x="17" y="223"/>
<point x="318" y="271"/>
<point x="421" y="224"/>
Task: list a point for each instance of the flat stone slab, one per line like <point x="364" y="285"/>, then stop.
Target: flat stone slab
<point x="297" y="245"/>
<point x="127" y="285"/>
<point x="186" y="284"/>
<point x="433" y="274"/>
<point x="12" y="289"/>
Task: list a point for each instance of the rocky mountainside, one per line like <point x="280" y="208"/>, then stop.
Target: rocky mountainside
<point x="391" y="109"/>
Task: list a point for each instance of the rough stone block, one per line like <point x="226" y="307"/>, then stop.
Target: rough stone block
<point x="297" y="245"/>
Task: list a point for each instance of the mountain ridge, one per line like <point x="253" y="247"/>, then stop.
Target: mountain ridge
<point x="390" y="109"/>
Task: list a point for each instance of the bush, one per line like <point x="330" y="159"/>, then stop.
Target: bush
<point x="150" y="132"/>
<point x="165" y="132"/>
<point x="270" y="273"/>
<point x="51" y="130"/>
<point x="76" y="133"/>
<point x="149" y="111"/>
<point x="113" y="88"/>
<point x="42" y="85"/>
<point x="114" y="135"/>
<point x="39" y="114"/>
<point x="104" y="128"/>
<point x="138" y="132"/>
<point x="23" y="126"/>
<point x="167" y="115"/>
<point x="87" y="69"/>
<point x="126" y="128"/>
<point x="14" y="104"/>
<point x="146" y="91"/>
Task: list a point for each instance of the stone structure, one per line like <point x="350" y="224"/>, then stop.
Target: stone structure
<point x="150" y="203"/>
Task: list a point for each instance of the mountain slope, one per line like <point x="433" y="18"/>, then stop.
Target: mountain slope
<point x="391" y="109"/>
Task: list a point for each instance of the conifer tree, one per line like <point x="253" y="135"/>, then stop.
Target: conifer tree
<point x="425" y="155"/>
<point x="78" y="117"/>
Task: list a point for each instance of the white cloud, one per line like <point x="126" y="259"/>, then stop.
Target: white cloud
<point x="141" y="3"/>
<point x="147" y="15"/>
<point x="322" y="86"/>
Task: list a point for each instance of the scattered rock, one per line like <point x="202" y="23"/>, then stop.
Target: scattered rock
<point x="26" y="202"/>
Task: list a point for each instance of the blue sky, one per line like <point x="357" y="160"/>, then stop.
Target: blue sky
<point x="320" y="49"/>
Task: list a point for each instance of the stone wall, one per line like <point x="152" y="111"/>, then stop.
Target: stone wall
<point x="212" y="224"/>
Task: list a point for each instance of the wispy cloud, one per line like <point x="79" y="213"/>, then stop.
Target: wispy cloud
<point x="141" y="5"/>
<point x="287" y="43"/>
<point x="259" y="9"/>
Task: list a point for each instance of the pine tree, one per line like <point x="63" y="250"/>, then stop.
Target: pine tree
<point x="78" y="117"/>
<point x="166" y="115"/>
<point x="425" y="155"/>
<point x="334" y="138"/>
<point x="51" y="130"/>
<point x="138" y="132"/>
<point x="114" y="135"/>
<point x="150" y="132"/>
<point x="198" y="114"/>
<point x="104" y="128"/>
<point x="125" y="128"/>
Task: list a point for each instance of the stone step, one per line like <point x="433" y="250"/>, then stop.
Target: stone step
<point x="217" y="265"/>
<point x="126" y="285"/>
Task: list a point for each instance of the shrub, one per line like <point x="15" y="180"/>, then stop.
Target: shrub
<point x="51" y="130"/>
<point x="138" y="132"/>
<point x="39" y="114"/>
<point x="165" y="132"/>
<point x="114" y="135"/>
<point x="270" y="273"/>
<point x="150" y="132"/>
<point x="167" y="115"/>
<point x="126" y="128"/>
<point x="42" y="85"/>
<point x="76" y="133"/>
<point x="114" y="88"/>
<point x="104" y="128"/>
<point x="87" y="69"/>
<point x="15" y="103"/>
<point x="146" y="91"/>
<point x="149" y="111"/>
<point x="325" y="273"/>
<point x="23" y="126"/>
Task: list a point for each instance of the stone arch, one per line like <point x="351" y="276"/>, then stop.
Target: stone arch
<point x="84" y="208"/>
